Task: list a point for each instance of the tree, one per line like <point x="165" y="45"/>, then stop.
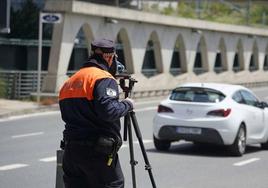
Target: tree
<point x="24" y="22"/>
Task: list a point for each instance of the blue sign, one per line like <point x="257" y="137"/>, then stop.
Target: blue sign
<point x="51" y="18"/>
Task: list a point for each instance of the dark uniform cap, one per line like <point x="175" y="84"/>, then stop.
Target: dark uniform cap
<point x="105" y="45"/>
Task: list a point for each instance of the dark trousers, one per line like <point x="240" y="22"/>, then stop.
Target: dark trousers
<point x="85" y="168"/>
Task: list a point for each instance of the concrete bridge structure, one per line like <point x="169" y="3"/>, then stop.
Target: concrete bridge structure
<point x="160" y="51"/>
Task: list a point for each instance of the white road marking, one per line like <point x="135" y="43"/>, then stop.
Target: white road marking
<point x="48" y="159"/>
<point x="58" y="112"/>
<point x="28" y="134"/>
<point x="246" y="162"/>
<point x="54" y="158"/>
<point x="53" y="112"/>
<point x="16" y="117"/>
<point x="12" y="166"/>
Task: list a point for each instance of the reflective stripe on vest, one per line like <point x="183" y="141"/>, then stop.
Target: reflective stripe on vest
<point x="81" y="84"/>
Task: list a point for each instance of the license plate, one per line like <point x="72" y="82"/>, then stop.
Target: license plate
<point x="185" y="130"/>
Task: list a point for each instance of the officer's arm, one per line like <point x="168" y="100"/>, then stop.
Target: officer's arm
<point x="106" y="103"/>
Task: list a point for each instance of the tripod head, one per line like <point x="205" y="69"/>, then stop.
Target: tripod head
<point x="123" y="79"/>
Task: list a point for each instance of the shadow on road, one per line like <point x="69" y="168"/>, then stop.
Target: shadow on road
<point x="204" y="150"/>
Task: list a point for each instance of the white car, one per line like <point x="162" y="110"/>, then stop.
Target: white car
<point x="212" y="113"/>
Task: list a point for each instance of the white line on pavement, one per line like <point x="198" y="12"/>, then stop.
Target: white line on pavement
<point x="12" y="166"/>
<point x="16" y="117"/>
<point x="58" y="112"/>
<point x="54" y="158"/>
<point x="246" y="162"/>
<point x="28" y="134"/>
<point x="28" y="115"/>
<point x="48" y="159"/>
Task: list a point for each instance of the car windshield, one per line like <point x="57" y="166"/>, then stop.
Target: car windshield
<point x="196" y="94"/>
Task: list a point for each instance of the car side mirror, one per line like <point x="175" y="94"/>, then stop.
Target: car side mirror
<point x="262" y="104"/>
<point x="265" y="104"/>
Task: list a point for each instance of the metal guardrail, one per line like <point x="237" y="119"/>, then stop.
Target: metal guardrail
<point x="20" y="85"/>
<point x="149" y="72"/>
<point x="175" y="71"/>
<point x="150" y="93"/>
<point x="199" y="70"/>
<point x="219" y="69"/>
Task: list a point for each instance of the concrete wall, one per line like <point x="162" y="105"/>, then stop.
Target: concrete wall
<point x="137" y="28"/>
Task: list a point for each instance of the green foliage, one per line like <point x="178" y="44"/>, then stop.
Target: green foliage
<point x="184" y="10"/>
<point x="24" y="22"/>
<point x="168" y="10"/>
<point x="154" y="8"/>
<point x="3" y="89"/>
<point x="218" y="12"/>
<point x="259" y="15"/>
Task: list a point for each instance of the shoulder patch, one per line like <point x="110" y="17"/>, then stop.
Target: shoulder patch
<point x="111" y="92"/>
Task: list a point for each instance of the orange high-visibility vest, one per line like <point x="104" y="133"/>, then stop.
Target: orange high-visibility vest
<point x="81" y="84"/>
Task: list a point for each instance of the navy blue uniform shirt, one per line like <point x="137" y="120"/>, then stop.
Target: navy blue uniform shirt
<point x="85" y="117"/>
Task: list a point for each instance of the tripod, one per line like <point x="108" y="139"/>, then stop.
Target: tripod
<point x="130" y="116"/>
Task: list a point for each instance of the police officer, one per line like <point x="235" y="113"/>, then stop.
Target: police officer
<point x="90" y="107"/>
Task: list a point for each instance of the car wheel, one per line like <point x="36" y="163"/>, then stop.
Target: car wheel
<point x="264" y="145"/>
<point x="238" y="148"/>
<point x="162" y="145"/>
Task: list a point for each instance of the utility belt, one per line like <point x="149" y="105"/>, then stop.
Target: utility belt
<point x="104" y="145"/>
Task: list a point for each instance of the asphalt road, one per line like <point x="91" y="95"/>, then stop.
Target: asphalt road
<point x="28" y="148"/>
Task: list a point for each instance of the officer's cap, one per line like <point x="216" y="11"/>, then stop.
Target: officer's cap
<point x="105" y="45"/>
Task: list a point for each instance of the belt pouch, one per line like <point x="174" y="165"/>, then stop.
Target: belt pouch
<point x="105" y="145"/>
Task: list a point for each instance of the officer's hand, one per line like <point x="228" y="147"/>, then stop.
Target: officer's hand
<point x="131" y="101"/>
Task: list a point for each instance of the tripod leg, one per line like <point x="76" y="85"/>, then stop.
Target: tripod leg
<point x="131" y="150"/>
<point x="138" y="134"/>
<point x="126" y="124"/>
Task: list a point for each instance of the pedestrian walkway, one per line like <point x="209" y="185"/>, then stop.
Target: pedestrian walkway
<point x="17" y="107"/>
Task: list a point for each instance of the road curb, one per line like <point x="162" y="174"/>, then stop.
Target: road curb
<point x="29" y="111"/>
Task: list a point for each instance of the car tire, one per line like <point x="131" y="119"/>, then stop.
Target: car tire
<point x="161" y="145"/>
<point x="264" y="145"/>
<point x="238" y="148"/>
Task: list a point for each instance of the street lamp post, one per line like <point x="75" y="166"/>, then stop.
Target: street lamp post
<point x="40" y="34"/>
<point x="53" y="18"/>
